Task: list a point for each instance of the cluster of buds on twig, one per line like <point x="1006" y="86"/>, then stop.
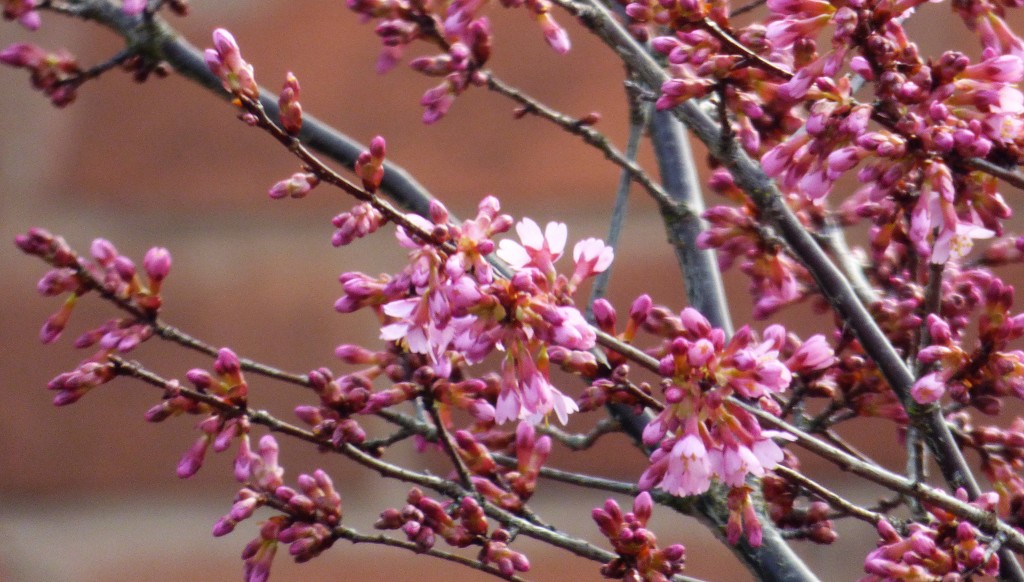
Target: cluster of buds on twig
<point x="114" y="276"/>
<point x="639" y="559"/>
<point x="459" y="524"/>
<point x="946" y="549"/>
<point x="310" y="513"/>
<point x="56" y="74"/>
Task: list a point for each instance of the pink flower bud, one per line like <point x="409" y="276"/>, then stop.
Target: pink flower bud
<point x="22" y="54"/>
<point x="225" y="61"/>
<point x="642" y="507"/>
<point x="192" y="460"/>
<point x="55" y="324"/>
<point x="928" y="389"/>
<point x="133" y="7"/>
<point x="291" y="109"/>
<point x="157" y="264"/>
<point x="297" y="186"/>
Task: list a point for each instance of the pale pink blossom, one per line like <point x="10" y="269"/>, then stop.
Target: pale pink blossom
<point x="538" y="249"/>
<point x="592" y="256"/>
<point x="689" y="468"/>
<point x="928" y="389"/>
<point x="956" y="243"/>
<point x="527" y="393"/>
<point x="813" y="354"/>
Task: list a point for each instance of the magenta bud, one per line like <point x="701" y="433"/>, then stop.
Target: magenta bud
<point x="224" y="526"/>
<point x="520" y="563"/>
<point x="65" y="397"/>
<point x="353" y="354"/>
<point x="411" y="528"/>
<point x="377" y="147"/>
<point x="310" y="415"/>
<point x="224" y="42"/>
<point x="296" y="186"/>
<point x="157" y="264"/>
<point x="291" y="109"/>
<point x="389" y="519"/>
<point x="103" y="251"/>
<point x="199" y="378"/>
<point x="22" y="54"/>
<point x="438" y="212"/>
<point x="302" y="503"/>
<point x="158" y="413"/>
<point x="133" y="7"/>
<point x="125" y="268"/>
<point x="192" y="460"/>
<point x="243" y="509"/>
<point x="642" y="507"/>
<point x="506" y="567"/>
<point x="604" y="315"/>
<point x="227" y="362"/>
<point x="674" y="553"/>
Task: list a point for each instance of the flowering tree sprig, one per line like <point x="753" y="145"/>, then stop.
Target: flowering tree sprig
<point x="761" y="91"/>
<point x="438" y="484"/>
<point x="753" y="180"/>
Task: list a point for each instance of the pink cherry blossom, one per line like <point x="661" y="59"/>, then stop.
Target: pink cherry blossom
<point x="592" y="256"/>
<point x="538" y="249"/>
<point x="928" y="389"/>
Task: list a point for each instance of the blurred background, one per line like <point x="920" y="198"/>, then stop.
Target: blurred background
<point x="89" y="492"/>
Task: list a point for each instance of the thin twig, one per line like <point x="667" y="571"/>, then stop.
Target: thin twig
<point x="592" y="137"/>
<point x="449" y="446"/>
<point x="322" y="171"/>
<point x="446" y="487"/>
<point x="342" y="532"/>
<point x="748" y="7"/>
<point x="581" y="442"/>
<point x="639" y="117"/>
<point x="832" y="498"/>
<point x="175" y="335"/>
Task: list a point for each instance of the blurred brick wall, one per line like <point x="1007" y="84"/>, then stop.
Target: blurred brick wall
<point x="88" y="492"/>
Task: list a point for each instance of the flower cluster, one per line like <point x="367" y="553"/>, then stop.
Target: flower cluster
<point x="946" y="548"/>
<point x="309" y="513"/>
<point x="450" y="307"/>
<point x="219" y="429"/>
<point x="639" y="557"/>
<point x="1002" y="456"/>
<point x="57" y="74"/>
<point x="810" y="521"/>
<point x="701" y="435"/>
<point x="776" y="280"/>
<point x="510" y="488"/>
